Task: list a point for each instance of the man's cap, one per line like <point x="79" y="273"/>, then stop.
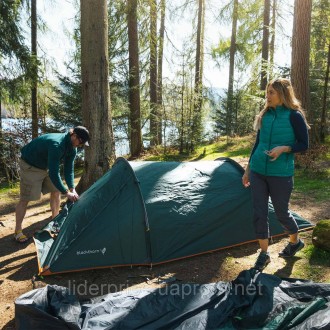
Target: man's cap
<point x="82" y="133"/>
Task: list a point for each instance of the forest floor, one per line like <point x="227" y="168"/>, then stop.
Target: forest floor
<point x="18" y="262"/>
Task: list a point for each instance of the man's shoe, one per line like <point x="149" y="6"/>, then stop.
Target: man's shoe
<point x="291" y="249"/>
<point x="262" y="261"/>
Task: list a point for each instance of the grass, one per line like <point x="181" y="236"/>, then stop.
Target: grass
<point x="315" y="181"/>
<point x="236" y="147"/>
<point x="318" y="187"/>
<point x="315" y="264"/>
<point x="241" y="148"/>
<point x="8" y="192"/>
<point x="317" y="256"/>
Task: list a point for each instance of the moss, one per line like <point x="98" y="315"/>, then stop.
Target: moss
<point x="321" y="235"/>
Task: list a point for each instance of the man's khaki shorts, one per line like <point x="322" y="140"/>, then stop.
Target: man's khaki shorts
<point x="34" y="181"/>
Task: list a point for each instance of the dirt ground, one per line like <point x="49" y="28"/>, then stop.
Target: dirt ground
<point x="18" y="262"/>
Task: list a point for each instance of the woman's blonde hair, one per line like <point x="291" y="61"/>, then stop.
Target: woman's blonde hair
<point x="287" y="97"/>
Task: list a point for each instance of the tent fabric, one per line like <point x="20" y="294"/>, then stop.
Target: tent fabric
<point x="145" y="213"/>
<point x="252" y="301"/>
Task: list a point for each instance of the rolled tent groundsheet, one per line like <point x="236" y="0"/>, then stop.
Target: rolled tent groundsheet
<point x="252" y="301"/>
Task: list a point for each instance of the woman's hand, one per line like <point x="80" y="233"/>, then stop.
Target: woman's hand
<point x="277" y="151"/>
<point x="245" y="179"/>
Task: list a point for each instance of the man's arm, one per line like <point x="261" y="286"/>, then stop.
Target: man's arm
<point x="69" y="169"/>
<point x="54" y="174"/>
<point x="54" y="156"/>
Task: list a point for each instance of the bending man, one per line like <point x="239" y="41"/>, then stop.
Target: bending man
<point x="40" y="171"/>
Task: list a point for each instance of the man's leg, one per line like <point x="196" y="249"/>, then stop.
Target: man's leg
<point x="55" y="202"/>
<point x="30" y="188"/>
<point x="20" y="214"/>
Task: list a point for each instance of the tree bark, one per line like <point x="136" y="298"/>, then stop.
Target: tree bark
<point x="265" y="46"/>
<point x="34" y="88"/>
<point x="324" y="101"/>
<point x="134" y="80"/>
<point x="232" y="52"/>
<point x="272" y="40"/>
<point x="96" y="106"/>
<point x="160" y="70"/>
<point x="182" y="122"/>
<point x="153" y="74"/>
<point x="196" y="127"/>
<point x="0" y="112"/>
<point x="301" y="52"/>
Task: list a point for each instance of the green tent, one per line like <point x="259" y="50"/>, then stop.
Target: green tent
<point x="145" y="213"/>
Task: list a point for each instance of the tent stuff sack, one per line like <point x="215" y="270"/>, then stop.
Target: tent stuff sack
<point x="252" y="301"/>
<point x="146" y="213"/>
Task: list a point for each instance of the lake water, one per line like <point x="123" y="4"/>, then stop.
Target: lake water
<point x="121" y="141"/>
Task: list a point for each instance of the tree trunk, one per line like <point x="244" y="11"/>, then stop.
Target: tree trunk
<point x="160" y="70"/>
<point x="34" y="88"/>
<point x="134" y="80"/>
<point x="0" y="113"/>
<point x="232" y="52"/>
<point x="324" y="101"/>
<point x="265" y="46"/>
<point x="182" y="122"/>
<point x="301" y="53"/>
<point x="197" y="106"/>
<point x="96" y="106"/>
<point x="272" y="40"/>
<point x="2" y="165"/>
<point x="153" y="74"/>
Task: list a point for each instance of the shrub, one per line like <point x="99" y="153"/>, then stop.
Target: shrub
<point x="314" y="159"/>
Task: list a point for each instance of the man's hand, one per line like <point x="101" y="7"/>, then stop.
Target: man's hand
<point x="72" y="195"/>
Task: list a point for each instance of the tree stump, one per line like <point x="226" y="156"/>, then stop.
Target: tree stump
<point x="321" y="235"/>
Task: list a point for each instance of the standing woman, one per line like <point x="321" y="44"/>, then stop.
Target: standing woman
<point x="282" y="130"/>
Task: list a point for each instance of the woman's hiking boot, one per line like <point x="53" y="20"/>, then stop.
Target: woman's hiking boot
<point x="262" y="261"/>
<point x="291" y="249"/>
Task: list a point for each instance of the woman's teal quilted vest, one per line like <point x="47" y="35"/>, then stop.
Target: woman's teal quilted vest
<point x="276" y="130"/>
